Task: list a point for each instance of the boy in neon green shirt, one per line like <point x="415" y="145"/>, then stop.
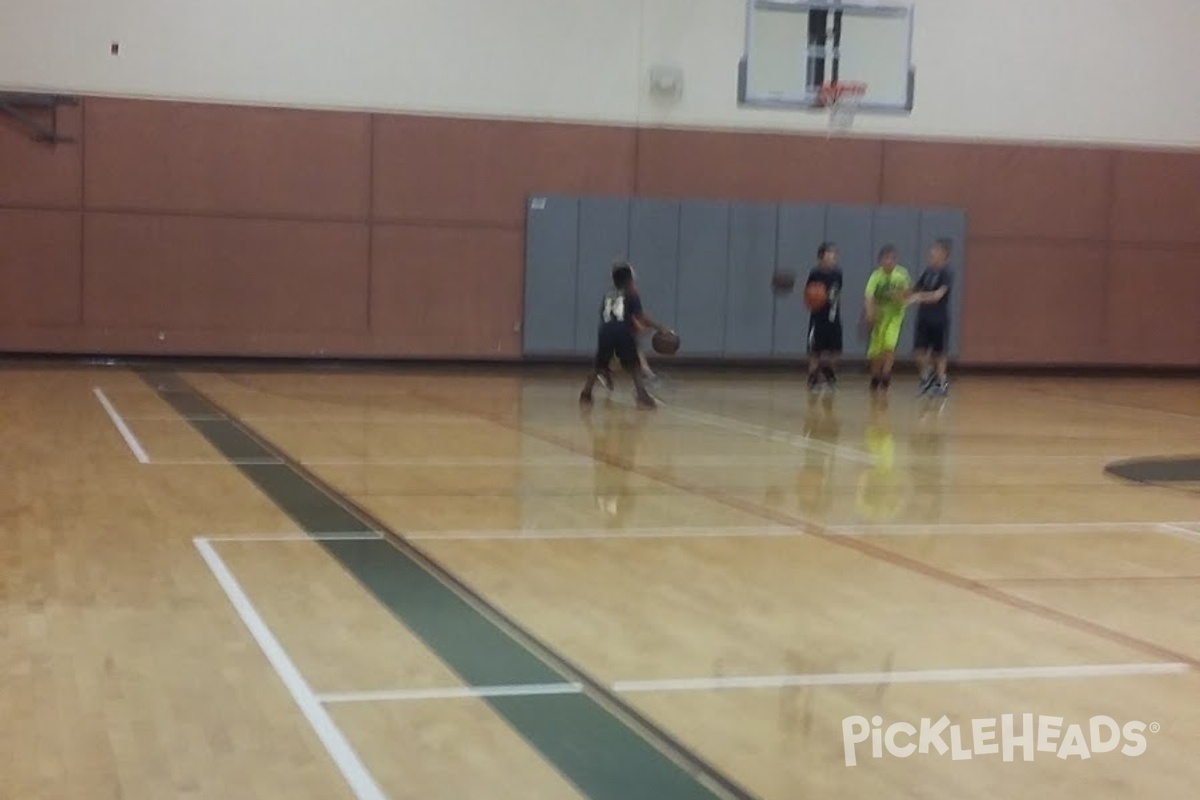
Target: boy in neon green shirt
<point x="888" y="289"/>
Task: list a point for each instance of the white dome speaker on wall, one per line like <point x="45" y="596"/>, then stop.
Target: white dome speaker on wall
<point x="666" y="82"/>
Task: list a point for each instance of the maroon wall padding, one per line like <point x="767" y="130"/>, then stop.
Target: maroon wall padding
<point x="1034" y="301"/>
<point x="166" y="273"/>
<point x="479" y="172"/>
<point x="446" y="291"/>
<point x="40" y="269"/>
<point x="243" y="162"/>
<point x="738" y="166"/>
<point x="1152" y="309"/>
<point x="1157" y="198"/>
<point x="184" y="228"/>
<point x="1010" y="191"/>
<point x="34" y="175"/>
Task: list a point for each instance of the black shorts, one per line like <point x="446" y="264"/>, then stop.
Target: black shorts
<point x="824" y="336"/>
<point x="931" y="335"/>
<point x="617" y="340"/>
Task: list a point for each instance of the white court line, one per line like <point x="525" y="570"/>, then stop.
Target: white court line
<point x="361" y="782"/>
<point x="772" y="682"/>
<point x="379" y="416"/>
<point x="769" y="530"/>
<point x="1177" y="529"/>
<point x="415" y="461"/>
<point x="915" y="676"/>
<point x="543" y="534"/>
<point x="391" y="417"/>
<point x="452" y="693"/>
<point x="217" y="462"/>
<point x="698" y="460"/>
<point x="176" y="417"/>
<point x="765" y="531"/>
<point x="918" y="529"/>
<point x="286" y="393"/>
<point x="333" y="536"/>
<point x="902" y="458"/>
<point x="134" y="445"/>
<point x="684" y="462"/>
<point x="452" y="461"/>
<point x="679" y="462"/>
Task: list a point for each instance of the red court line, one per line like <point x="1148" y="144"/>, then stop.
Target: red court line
<point x="871" y="551"/>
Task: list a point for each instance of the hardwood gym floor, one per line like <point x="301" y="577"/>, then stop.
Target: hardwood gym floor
<point x="455" y="584"/>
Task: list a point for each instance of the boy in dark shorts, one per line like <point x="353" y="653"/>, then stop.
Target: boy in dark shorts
<point x="621" y="318"/>
<point x="825" y="323"/>
<point x="932" y="295"/>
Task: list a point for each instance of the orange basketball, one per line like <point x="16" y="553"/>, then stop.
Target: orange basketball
<point x="815" y="296"/>
<point x="665" y="342"/>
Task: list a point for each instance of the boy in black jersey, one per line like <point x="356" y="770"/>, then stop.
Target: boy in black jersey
<point x="825" y="323"/>
<point x="621" y="317"/>
<point x="932" y="293"/>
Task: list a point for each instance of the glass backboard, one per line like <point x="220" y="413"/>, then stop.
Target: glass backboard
<point x="793" y="48"/>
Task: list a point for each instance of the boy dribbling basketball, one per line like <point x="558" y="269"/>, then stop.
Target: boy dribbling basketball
<point x="825" y="322"/>
<point x="621" y="316"/>
<point x="885" y="301"/>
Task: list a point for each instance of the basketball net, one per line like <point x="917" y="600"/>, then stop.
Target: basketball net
<point x="842" y="99"/>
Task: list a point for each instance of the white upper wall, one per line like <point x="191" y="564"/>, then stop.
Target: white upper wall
<point x="1068" y="70"/>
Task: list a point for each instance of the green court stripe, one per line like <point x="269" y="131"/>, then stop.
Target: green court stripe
<point x="592" y="747"/>
<point x="188" y="404"/>
<point x="596" y="751"/>
<point x="299" y="499"/>
<point x="481" y="653"/>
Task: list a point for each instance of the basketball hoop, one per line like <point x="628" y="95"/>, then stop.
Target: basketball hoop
<point x="842" y="99"/>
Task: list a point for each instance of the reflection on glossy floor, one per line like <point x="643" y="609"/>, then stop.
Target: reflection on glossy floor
<point x="694" y="602"/>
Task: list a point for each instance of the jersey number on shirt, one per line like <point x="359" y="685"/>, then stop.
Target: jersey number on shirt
<point x="614" y="309"/>
<point x="833" y="304"/>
